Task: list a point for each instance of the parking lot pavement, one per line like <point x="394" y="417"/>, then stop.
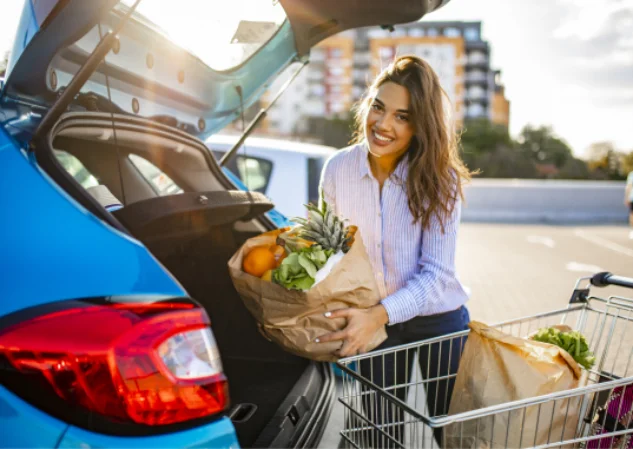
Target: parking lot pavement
<point x="520" y="270"/>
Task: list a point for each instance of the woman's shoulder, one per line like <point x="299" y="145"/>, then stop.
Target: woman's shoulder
<point x="345" y="157"/>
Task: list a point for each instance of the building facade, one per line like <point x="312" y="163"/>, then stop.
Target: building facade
<point x="342" y="67"/>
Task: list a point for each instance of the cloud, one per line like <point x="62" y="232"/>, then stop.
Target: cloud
<point x="595" y="44"/>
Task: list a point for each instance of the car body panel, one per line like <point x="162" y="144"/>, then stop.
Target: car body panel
<point x="39" y="428"/>
<point x="55" y="250"/>
<point x="218" y="434"/>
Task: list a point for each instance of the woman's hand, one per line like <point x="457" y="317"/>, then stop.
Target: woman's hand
<point x="362" y="325"/>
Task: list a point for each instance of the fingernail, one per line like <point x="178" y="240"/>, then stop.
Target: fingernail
<point x="327" y="314"/>
<point x="316" y="340"/>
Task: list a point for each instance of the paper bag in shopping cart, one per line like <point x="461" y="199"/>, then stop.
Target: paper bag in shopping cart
<point x="497" y="368"/>
<point x="294" y="319"/>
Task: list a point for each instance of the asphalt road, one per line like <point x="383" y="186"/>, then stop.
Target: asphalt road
<point x="514" y="271"/>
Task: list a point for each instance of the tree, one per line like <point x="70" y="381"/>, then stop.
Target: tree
<point x="605" y="162"/>
<point x="543" y="147"/>
<point x="479" y="136"/>
<point x="627" y="162"/>
<point x="490" y="149"/>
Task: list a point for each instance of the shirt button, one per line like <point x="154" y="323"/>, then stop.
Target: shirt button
<point x="380" y="275"/>
<point x="379" y="245"/>
<point x="380" y="214"/>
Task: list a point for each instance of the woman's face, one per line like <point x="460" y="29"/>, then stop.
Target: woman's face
<point x="388" y="129"/>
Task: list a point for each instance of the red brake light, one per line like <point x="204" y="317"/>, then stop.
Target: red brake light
<point x="151" y="364"/>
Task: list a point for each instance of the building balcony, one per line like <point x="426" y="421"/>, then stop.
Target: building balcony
<point x="478" y="45"/>
<point x="476" y="99"/>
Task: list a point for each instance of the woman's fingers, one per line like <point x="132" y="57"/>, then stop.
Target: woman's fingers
<point x="333" y="336"/>
<point x="340" y="313"/>
<point x="347" y="350"/>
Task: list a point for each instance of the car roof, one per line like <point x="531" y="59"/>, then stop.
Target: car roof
<point x="272" y="144"/>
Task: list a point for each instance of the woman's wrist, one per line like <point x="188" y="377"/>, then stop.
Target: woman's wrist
<point x="380" y="314"/>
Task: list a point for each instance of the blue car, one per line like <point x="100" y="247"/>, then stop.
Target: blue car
<point x="119" y="324"/>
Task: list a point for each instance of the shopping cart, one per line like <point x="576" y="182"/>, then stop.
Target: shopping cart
<point x="598" y="413"/>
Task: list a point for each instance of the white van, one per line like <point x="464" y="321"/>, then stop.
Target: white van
<point x="287" y="172"/>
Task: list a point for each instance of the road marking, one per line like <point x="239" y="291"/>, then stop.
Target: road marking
<point x="576" y="266"/>
<point x="603" y="242"/>
<point x="542" y="240"/>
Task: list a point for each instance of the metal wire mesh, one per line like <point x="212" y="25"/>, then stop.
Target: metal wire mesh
<point x="413" y="411"/>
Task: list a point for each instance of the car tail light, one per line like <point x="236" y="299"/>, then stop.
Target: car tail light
<point x="153" y="364"/>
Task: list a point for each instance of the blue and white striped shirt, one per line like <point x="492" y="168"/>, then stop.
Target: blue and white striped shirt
<point x="414" y="268"/>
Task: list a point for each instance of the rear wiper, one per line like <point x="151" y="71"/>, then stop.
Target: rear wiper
<point x="260" y="116"/>
<point x="83" y="74"/>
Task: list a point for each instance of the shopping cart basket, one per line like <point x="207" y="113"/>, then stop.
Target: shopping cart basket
<point x="599" y="411"/>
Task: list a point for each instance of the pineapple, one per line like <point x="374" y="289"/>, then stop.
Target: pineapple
<point x="324" y="228"/>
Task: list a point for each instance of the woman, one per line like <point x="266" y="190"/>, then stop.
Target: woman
<point x="401" y="184"/>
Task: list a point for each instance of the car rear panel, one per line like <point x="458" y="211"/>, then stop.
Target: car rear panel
<point x="219" y="434"/>
<point x="34" y="428"/>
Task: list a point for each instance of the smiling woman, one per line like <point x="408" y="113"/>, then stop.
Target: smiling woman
<point x="233" y="32"/>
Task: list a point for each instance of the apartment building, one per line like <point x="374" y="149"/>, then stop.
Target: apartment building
<point x="341" y="68"/>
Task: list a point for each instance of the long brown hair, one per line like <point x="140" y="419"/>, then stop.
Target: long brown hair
<point x="436" y="170"/>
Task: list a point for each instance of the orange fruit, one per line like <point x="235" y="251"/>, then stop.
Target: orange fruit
<point x="268" y="276"/>
<point x="279" y="252"/>
<point x="259" y="260"/>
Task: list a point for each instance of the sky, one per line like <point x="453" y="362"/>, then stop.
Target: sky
<point x="565" y="63"/>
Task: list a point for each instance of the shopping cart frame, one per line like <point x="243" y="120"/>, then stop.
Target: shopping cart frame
<point x="361" y="430"/>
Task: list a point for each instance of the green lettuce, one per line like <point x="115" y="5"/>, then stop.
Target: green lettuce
<point x="298" y="270"/>
<point x="573" y="342"/>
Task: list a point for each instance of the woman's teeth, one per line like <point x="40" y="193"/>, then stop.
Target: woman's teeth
<point x="381" y="138"/>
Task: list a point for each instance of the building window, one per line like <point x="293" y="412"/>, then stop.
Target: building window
<point x="452" y="32"/>
<point x="317" y="89"/>
<point x="386" y="52"/>
<point x="471" y="34"/>
<point x="416" y="32"/>
<point x="432" y="32"/>
<point x="475" y="110"/>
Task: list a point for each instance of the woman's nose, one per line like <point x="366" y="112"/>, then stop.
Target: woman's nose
<point x="384" y="123"/>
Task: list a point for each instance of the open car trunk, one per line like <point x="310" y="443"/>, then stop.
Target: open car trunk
<point x="274" y="395"/>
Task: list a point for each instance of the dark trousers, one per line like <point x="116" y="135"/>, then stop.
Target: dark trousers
<point x="393" y="371"/>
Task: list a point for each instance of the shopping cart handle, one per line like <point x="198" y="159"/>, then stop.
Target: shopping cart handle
<point x="605" y="278"/>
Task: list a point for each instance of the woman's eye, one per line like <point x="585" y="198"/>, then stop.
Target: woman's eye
<point x="376" y="107"/>
<point x="403" y="118"/>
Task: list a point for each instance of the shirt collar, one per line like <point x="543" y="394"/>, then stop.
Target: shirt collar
<point x="400" y="173"/>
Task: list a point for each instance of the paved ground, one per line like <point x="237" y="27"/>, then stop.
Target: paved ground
<point x="520" y="270"/>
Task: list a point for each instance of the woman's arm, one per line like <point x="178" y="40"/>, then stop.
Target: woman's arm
<point x="424" y="292"/>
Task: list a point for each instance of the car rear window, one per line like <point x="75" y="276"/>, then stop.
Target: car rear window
<point x="222" y="34"/>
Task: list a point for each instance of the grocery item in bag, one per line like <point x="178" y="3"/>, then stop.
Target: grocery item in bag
<point x="497" y="368"/>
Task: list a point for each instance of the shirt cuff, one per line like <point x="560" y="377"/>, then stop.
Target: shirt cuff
<point x="400" y="307"/>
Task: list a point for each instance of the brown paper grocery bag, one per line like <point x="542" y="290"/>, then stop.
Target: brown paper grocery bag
<point x="294" y="319"/>
<point x="497" y="368"/>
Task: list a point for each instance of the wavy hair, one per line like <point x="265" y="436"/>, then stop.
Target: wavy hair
<point x="436" y="171"/>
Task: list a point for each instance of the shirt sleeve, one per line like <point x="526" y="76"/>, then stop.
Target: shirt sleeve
<point x="326" y="185"/>
<point x="423" y="294"/>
